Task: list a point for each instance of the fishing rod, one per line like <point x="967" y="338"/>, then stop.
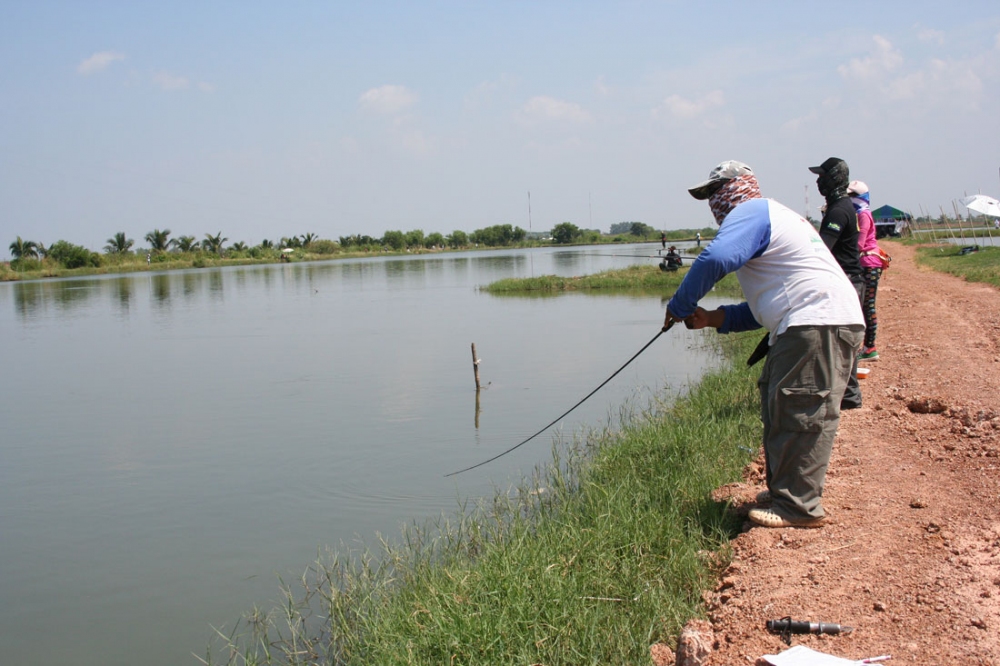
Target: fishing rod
<point x="663" y="330"/>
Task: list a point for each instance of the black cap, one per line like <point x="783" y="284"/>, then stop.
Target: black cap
<point x="827" y="166"/>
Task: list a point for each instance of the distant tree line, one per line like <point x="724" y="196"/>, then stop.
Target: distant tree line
<point x="32" y="255"/>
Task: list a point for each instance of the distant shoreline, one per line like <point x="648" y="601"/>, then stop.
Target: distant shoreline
<point x="173" y="261"/>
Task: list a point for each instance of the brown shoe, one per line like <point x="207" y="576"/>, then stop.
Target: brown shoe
<point x="769" y="518"/>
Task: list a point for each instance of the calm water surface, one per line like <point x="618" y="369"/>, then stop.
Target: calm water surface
<point x="172" y="442"/>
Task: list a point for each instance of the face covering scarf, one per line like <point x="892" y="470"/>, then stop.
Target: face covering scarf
<point x="732" y="194"/>
<point x="860" y="202"/>
<point x="833" y="184"/>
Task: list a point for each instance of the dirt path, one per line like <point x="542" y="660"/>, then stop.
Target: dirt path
<point x="910" y="556"/>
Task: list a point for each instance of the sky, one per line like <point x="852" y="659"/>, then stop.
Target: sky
<point x="265" y="120"/>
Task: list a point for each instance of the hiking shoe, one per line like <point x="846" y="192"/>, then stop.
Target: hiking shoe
<point x="764" y="497"/>
<point x="768" y="518"/>
<point x="868" y="354"/>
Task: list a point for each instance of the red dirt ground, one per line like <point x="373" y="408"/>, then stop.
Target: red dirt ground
<point x="910" y="555"/>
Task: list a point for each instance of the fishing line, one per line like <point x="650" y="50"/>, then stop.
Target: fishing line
<point x="557" y="419"/>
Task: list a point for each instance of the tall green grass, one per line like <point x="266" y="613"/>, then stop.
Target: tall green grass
<point x="600" y="554"/>
<point x="982" y="266"/>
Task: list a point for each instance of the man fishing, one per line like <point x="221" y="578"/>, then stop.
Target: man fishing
<point x="797" y="291"/>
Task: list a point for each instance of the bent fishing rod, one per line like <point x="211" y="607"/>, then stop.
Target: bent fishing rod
<point x="663" y="330"/>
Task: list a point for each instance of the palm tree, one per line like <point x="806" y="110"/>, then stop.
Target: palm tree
<point x="22" y="249"/>
<point x="185" y="243"/>
<point x="119" y="244"/>
<point x="238" y="246"/>
<point x="308" y="238"/>
<point x="158" y="240"/>
<point x="293" y="242"/>
<point x="213" y="243"/>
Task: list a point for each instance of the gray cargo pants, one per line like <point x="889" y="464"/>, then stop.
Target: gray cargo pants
<point x="852" y="394"/>
<point x="801" y="387"/>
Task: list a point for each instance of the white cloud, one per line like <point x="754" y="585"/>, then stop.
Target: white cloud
<point x="206" y="87"/>
<point x="883" y="59"/>
<point x="387" y="100"/>
<point x="931" y="35"/>
<point x="684" y="108"/>
<point x="549" y="109"/>
<point x="417" y="142"/>
<point x="168" y="81"/>
<point x="483" y="94"/>
<point x="98" y="62"/>
<point x="940" y="81"/>
<point x="601" y="87"/>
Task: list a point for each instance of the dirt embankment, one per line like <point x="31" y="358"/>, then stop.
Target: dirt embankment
<point x="910" y="555"/>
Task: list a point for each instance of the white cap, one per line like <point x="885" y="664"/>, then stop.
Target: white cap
<point x="857" y="187"/>
<point x="725" y="171"/>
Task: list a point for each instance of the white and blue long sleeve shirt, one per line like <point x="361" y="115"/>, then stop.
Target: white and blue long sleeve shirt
<point x="787" y="273"/>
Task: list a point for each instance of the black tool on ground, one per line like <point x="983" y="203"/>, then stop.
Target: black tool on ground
<point x="786" y="626"/>
<point x="663" y="330"/>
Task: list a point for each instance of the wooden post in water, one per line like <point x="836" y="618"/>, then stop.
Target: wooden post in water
<point x="475" y="370"/>
<point x="477" y="409"/>
<point x="475" y="365"/>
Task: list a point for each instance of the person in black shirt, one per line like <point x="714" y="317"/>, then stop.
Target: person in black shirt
<point x="839" y="230"/>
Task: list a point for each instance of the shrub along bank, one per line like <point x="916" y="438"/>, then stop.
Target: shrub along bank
<point x="600" y="554"/>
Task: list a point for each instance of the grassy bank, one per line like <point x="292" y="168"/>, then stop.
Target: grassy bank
<point x="982" y="266"/>
<point x="599" y="555"/>
<point x="633" y="278"/>
<point x="37" y="269"/>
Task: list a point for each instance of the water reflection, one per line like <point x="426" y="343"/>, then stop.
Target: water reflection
<point x="160" y="289"/>
<point x="215" y="287"/>
<point x="28" y="298"/>
<point x="394" y="273"/>
<point x="121" y="289"/>
<point x="189" y="283"/>
<point x="566" y="260"/>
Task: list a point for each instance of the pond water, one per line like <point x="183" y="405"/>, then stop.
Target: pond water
<point x="173" y="442"/>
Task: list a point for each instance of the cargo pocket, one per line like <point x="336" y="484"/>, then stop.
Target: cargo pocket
<point x="803" y="409"/>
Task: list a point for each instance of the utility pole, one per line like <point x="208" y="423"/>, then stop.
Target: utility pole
<point x="529" y="211"/>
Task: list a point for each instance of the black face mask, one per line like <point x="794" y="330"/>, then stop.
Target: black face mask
<point x="833" y="183"/>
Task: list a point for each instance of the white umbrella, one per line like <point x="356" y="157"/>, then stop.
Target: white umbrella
<point x="980" y="203"/>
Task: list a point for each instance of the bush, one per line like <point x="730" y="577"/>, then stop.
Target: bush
<point x="26" y="264"/>
<point x="69" y="255"/>
<point x="324" y="246"/>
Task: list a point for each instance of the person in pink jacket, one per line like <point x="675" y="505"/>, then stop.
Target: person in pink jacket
<point x="871" y="265"/>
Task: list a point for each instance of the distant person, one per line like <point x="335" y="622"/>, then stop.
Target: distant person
<point x="871" y="265"/>
<point x="663" y="240"/>
<point x="797" y="291"/>
<point x="671" y="261"/>
<point x="147" y="258"/>
<point x="698" y="238"/>
<point x="839" y="230"/>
